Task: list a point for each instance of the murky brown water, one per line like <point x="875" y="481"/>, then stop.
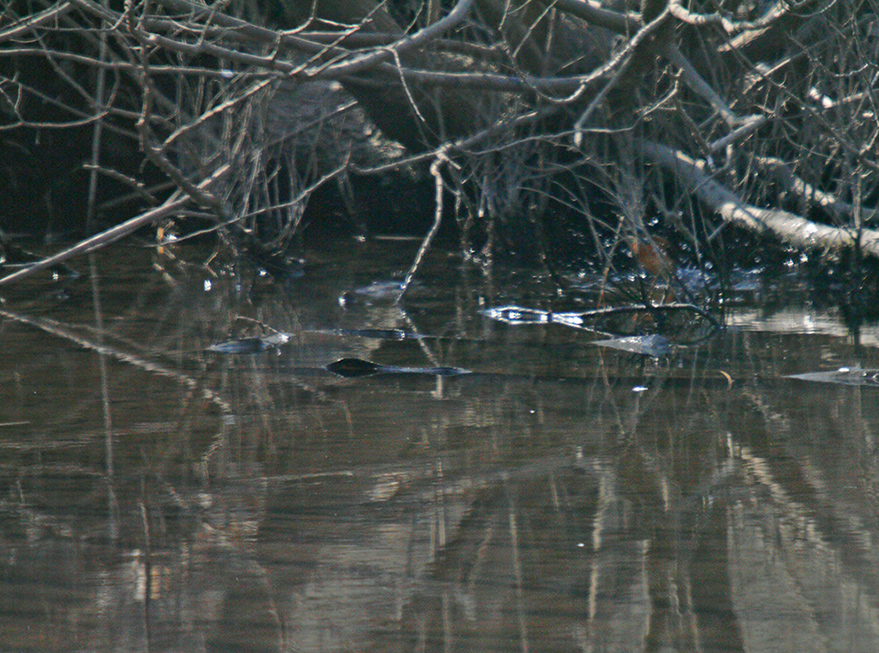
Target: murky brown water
<point x="563" y="497"/>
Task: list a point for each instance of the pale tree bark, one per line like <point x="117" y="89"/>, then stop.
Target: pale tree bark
<point x="787" y="227"/>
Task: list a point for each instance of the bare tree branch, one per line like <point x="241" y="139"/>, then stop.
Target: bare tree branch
<point x="790" y="228"/>
<point x="28" y="24"/>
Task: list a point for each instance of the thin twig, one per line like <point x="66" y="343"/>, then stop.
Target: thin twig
<point x="437" y="219"/>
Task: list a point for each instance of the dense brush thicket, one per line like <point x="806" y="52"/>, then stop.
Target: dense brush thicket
<point x="556" y="129"/>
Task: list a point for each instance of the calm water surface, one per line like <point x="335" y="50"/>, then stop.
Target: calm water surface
<point x="156" y="496"/>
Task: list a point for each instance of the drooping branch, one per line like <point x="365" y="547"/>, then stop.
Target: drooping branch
<point x="787" y="227"/>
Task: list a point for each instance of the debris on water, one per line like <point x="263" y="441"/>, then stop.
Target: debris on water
<point x="652" y="345"/>
<point x="574" y="320"/>
<point x="518" y="315"/>
<point x="377" y="291"/>
<point x="843" y="376"/>
<point x="380" y="334"/>
<point x="356" y="367"/>
<point x="380" y="289"/>
<point x="249" y="345"/>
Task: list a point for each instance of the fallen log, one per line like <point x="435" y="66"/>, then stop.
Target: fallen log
<point x="787" y="227"/>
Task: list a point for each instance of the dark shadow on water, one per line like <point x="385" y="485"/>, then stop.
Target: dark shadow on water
<point x="156" y="495"/>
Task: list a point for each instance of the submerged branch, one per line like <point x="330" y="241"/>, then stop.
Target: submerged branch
<point x="104" y="238"/>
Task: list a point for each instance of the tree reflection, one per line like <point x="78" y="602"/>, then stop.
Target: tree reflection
<point x="562" y="497"/>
